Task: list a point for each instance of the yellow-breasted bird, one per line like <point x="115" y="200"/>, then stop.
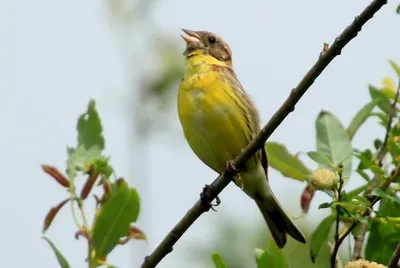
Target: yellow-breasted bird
<point x="219" y="120"/>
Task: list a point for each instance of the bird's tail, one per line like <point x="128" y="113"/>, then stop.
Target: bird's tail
<point x="278" y="222"/>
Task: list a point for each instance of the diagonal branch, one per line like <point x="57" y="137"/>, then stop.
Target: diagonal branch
<point x="359" y="239"/>
<point x="287" y="107"/>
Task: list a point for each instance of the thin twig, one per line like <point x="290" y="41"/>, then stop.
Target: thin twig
<point x="394" y="260"/>
<point x="339" y="200"/>
<point x="338" y="261"/>
<point x="287" y="107"/>
<point x="359" y="239"/>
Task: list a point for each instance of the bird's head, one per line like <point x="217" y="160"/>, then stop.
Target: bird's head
<point x="206" y="43"/>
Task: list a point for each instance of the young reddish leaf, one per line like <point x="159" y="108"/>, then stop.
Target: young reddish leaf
<point x="85" y="234"/>
<point x="107" y="187"/>
<point x="306" y="198"/>
<point x="52" y="213"/>
<point x="60" y="178"/>
<point x="134" y="233"/>
<point x="93" y="175"/>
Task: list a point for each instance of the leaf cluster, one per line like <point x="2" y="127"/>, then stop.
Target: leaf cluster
<point x="116" y="208"/>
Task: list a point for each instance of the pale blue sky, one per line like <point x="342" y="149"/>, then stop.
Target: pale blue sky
<point x="66" y="52"/>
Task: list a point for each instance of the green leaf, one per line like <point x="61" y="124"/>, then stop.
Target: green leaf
<point x="361" y="117"/>
<point x="272" y="258"/>
<point x="384" y="118"/>
<point x="377" y="169"/>
<point x="61" y="259"/>
<point x="383" y="238"/>
<point x="115" y="217"/>
<point x="365" y="159"/>
<point x="320" y="159"/>
<point x="320" y="236"/>
<point x="396" y="67"/>
<point x="363" y="174"/>
<point x="101" y="166"/>
<point x="355" y="192"/>
<point x="333" y="142"/>
<point x="81" y="157"/>
<point x="218" y="260"/>
<point x="384" y="103"/>
<point x="325" y="205"/>
<point x="394" y="150"/>
<point x="286" y="163"/>
<point x="381" y="193"/>
<point x="90" y="129"/>
<point x="377" y="144"/>
<point x="362" y="200"/>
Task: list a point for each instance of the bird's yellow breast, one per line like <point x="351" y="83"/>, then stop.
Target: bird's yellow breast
<point x="213" y="120"/>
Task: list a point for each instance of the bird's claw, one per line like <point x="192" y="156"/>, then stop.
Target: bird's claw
<point x="207" y="203"/>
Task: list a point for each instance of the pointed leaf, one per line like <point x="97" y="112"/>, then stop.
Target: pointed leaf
<point x="61" y="260"/>
<point x="381" y="193"/>
<point x="218" y="260"/>
<point x="320" y="236"/>
<point x="383" y="238"/>
<point x="361" y="116"/>
<point x="52" y="213"/>
<point x="90" y="129"/>
<point x="366" y="159"/>
<point x="87" y="187"/>
<point x="383" y="104"/>
<point x="333" y="142"/>
<point x="320" y="159"/>
<point x="325" y="205"/>
<point x="356" y="191"/>
<point x="272" y="258"/>
<point x="363" y="174"/>
<point x="57" y="175"/>
<point x="115" y="218"/>
<point x="396" y="67"/>
<point x="289" y="165"/>
<point x="136" y="233"/>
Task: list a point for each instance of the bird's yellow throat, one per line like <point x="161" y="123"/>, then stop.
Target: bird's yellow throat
<point x="197" y="58"/>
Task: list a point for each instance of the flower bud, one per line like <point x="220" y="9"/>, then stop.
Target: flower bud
<point x="323" y="179"/>
<point x="363" y="264"/>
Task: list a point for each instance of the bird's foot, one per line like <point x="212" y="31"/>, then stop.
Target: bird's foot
<point x="208" y="204"/>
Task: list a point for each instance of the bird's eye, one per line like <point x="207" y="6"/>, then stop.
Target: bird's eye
<point x="211" y="39"/>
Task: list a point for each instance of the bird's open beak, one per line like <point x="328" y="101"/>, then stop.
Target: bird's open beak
<point x="191" y="37"/>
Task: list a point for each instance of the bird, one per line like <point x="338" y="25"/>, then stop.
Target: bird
<point x="219" y="119"/>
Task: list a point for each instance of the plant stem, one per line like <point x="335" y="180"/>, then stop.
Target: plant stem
<point x="339" y="199"/>
<point x="359" y="239"/>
